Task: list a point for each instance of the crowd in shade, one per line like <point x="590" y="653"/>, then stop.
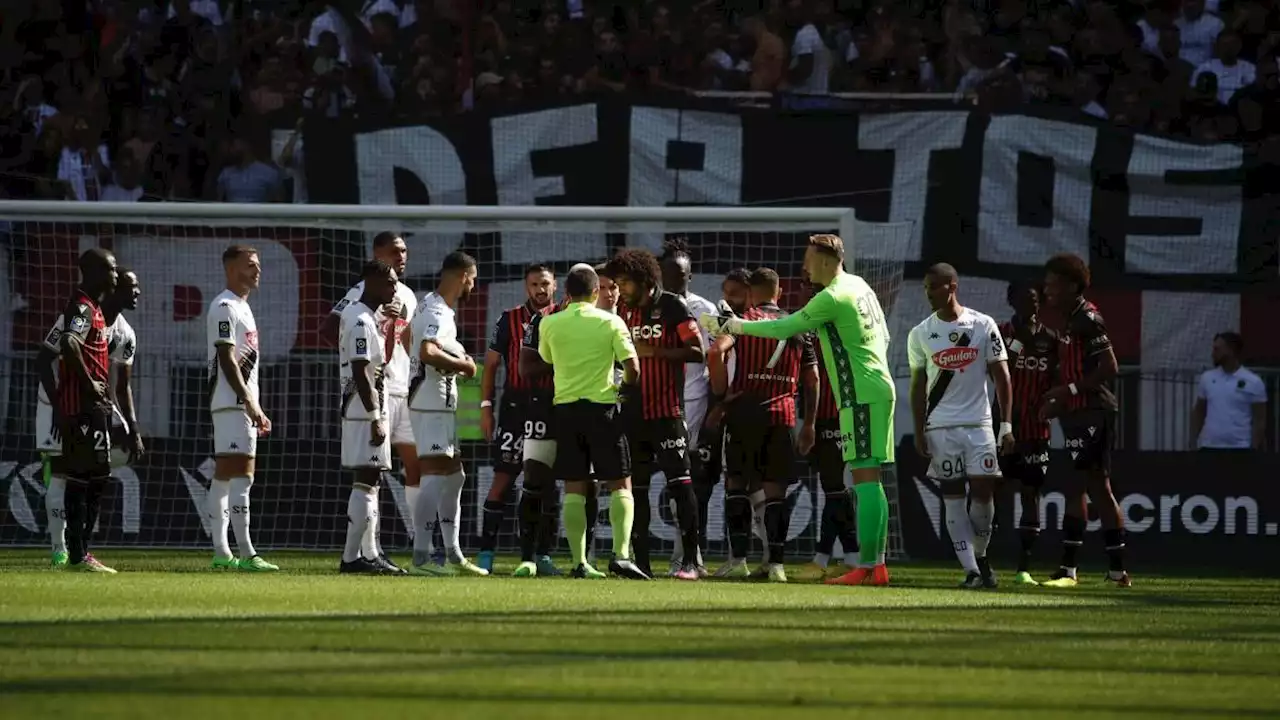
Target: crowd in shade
<point x="176" y="99"/>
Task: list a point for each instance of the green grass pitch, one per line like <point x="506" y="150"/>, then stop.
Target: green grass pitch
<point x="166" y="638"/>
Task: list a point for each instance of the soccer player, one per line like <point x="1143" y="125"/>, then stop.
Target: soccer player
<point x="514" y="427"/>
<point x="122" y="345"/>
<point x="1033" y="361"/>
<point x="366" y="442"/>
<point x="855" y="340"/>
<point x="666" y="336"/>
<point x="677" y="273"/>
<point x="433" y="401"/>
<point x="234" y="403"/>
<point x="582" y="343"/>
<point x="393" y="319"/>
<point x="951" y="354"/>
<point x="761" y="413"/>
<point x="1085" y="407"/>
<point x="84" y="406"/>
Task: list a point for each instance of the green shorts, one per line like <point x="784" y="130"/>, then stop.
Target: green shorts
<point x="866" y="434"/>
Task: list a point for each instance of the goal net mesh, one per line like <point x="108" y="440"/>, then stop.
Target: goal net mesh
<point x="307" y="265"/>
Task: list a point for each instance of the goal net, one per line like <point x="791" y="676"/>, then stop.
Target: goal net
<point x="310" y="256"/>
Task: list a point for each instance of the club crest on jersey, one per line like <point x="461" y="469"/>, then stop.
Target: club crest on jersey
<point x="955" y="358"/>
<point x="954" y="336"/>
<point x="79" y="324"/>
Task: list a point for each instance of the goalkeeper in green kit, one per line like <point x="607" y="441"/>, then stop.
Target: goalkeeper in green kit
<point x="855" y="340"/>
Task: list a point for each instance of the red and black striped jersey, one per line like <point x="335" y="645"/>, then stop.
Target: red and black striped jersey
<point x="768" y="370"/>
<point x="508" y="337"/>
<point x="1081" y="345"/>
<point x="828" y="408"/>
<point x="83" y="318"/>
<point x="543" y="386"/>
<point x="1033" y="363"/>
<point x="665" y="322"/>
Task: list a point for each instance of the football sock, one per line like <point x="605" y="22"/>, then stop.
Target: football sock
<point x="575" y="526"/>
<point x="491" y="523"/>
<point x="677" y="545"/>
<point x="737" y="518"/>
<point x="425" y="517"/>
<point x="873" y="514"/>
<point x="837" y="521"/>
<point x="530" y="522"/>
<point x="622" y="516"/>
<point x="240" y="515"/>
<point x="960" y="529"/>
<point x="1027" y="539"/>
<point x="1072" y="539"/>
<point x="593" y="516"/>
<point x="702" y="491"/>
<point x="451" y="513"/>
<point x="92" y="506"/>
<point x="757" y="516"/>
<point x="360" y="509"/>
<point x="775" y="524"/>
<point x="411" y="499"/>
<point x="74" y="504"/>
<point x="55" y="510"/>
<point x="822" y="559"/>
<point x="217" y="506"/>
<point x="371" y="542"/>
<point x="549" y="530"/>
<point x="640" y="528"/>
<point x="686" y="515"/>
<point x="1115" y="542"/>
<point x="981" y="517"/>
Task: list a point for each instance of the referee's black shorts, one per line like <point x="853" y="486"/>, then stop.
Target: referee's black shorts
<point x="590" y="435"/>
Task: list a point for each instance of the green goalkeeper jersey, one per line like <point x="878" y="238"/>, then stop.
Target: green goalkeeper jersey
<point x="854" y="336"/>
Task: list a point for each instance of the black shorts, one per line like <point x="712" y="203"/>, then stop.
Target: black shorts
<point x="827" y="455"/>
<point x="709" y="455"/>
<point x="1088" y="435"/>
<point x="1029" y="463"/>
<point x="508" y="438"/>
<point x="758" y="452"/>
<point x="589" y="435"/>
<point x="660" y="445"/>
<point x="86" y="444"/>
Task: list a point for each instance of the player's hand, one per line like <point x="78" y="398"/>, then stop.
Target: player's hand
<point x="644" y="349"/>
<point x="257" y="417"/>
<point x="715" y="416"/>
<point x="101" y="391"/>
<point x="717" y="325"/>
<point x="136" y="448"/>
<point x="1007" y="442"/>
<point x="922" y="446"/>
<point x="486" y="422"/>
<point x="1053" y="401"/>
<point x="470" y="370"/>
<point x="806" y="439"/>
<point x="392" y="310"/>
<point x="377" y="433"/>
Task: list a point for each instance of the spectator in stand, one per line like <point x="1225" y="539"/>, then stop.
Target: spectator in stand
<point x="245" y="179"/>
<point x="1232" y="72"/>
<point x="84" y="164"/>
<point x="126" y="185"/>
<point x="1199" y="31"/>
<point x="810" y="69"/>
<point x="1230" y="412"/>
<point x="768" y="61"/>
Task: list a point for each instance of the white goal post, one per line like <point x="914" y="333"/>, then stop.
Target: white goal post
<point x="310" y="256"/>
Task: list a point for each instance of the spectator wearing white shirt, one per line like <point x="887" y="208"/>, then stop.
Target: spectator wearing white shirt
<point x="127" y="181"/>
<point x="1230" y="412"/>
<point x="1199" y="32"/>
<point x="810" y="69"/>
<point x="85" y="163"/>
<point x="293" y="164"/>
<point x="246" y="179"/>
<point x="1232" y="72"/>
<point x="207" y="9"/>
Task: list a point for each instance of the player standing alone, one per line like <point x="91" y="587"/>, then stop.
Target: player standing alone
<point x="666" y="336"/>
<point x="951" y="353"/>
<point x="855" y="342"/>
<point x="366" y="442"/>
<point x="1085" y="407"/>
<point x="234" y="403"/>
<point x="1033" y="360"/>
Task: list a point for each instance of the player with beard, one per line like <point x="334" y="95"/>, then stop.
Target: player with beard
<point x="515" y="426"/>
<point x="1085" y="406"/>
<point x="1033" y="362"/>
<point x="677" y="273"/>
<point x="666" y="337"/>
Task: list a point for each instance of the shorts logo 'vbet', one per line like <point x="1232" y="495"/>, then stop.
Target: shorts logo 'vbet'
<point x="955" y="358"/>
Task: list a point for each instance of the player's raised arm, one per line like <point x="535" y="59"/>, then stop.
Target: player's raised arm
<point x="717" y="366"/>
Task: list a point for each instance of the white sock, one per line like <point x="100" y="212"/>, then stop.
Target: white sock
<point x="426" y="509"/>
<point x="411" y="499"/>
<point x="370" y="545"/>
<point x="240" y="515"/>
<point x="217" y="505"/>
<point x="981" y="517"/>
<point x="451" y="513"/>
<point x="360" y="510"/>
<point x="821" y="559"/>
<point x="56" y="510"/>
<point x="757" y="516"/>
<point x="961" y="532"/>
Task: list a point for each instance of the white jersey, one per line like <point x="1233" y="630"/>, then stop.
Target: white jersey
<point x="697" y="382"/>
<point x="122" y="344"/>
<point x="231" y="322"/>
<point x="955" y="356"/>
<point x="397" y="376"/>
<point x="432" y="390"/>
<point x="360" y="338"/>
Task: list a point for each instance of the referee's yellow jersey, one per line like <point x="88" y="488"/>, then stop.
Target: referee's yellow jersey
<point x="582" y="342"/>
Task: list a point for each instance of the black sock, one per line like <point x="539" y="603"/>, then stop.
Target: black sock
<point x="593" y="515"/>
<point x="1115" y="542"/>
<point x="1027" y="538"/>
<point x="776" y="519"/>
<point x="74" y="506"/>
<point x="1072" y="539"/>
<point x="686" y="516"/>
<point x="837" y="522"/>
<point x="530" y="523"/>
<point x="702" y="491"/>
<point x="549" y="537"/>
<point x="491" y="523"/>
<point x="737" y="520"/>
<point x="92" y="508"/>
<point x="640" y="529"/>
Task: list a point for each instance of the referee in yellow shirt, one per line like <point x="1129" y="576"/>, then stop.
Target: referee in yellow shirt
<point x="581" y="343"/>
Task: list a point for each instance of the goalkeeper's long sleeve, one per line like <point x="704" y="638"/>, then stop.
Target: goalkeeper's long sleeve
<point x="818" y="310"/>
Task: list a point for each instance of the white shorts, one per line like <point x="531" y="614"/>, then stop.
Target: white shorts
<point x="48" y="438"/>
<point x="543" y="451"/>
<point x="399" y="429"/>
<point x="435" y="433"/>
<point x="695" y="413"/>
<point x="960" y="452"/>
<point x="358" y="450"/>
<point x="234" y="434"/>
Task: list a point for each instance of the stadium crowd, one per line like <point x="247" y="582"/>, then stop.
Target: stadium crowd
<point x="174" y="99"/>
